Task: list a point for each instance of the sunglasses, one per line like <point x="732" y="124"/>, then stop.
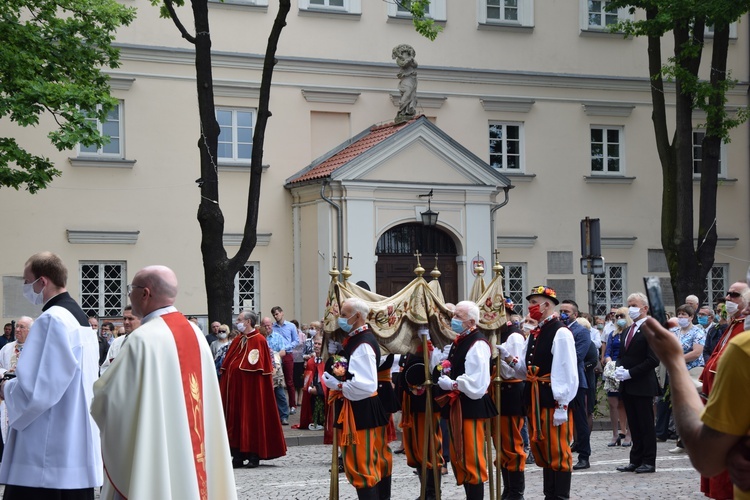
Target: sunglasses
<point x="734" y="295"/>
<point x="619" y="316"/>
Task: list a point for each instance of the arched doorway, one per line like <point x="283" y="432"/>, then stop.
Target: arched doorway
<point x="396" y="261"/>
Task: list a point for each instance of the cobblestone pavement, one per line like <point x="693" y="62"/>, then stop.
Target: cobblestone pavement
<point x="303" y="474"/>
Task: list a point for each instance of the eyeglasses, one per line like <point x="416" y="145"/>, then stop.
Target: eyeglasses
<point x="734" y="295"/>
<point x="619" y="316"/>
<point x="131" y="287"/>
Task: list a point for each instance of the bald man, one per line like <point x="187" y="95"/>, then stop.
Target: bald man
<point x="158" y="407"/>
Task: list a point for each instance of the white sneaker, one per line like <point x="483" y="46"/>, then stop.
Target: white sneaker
<point x="315" y="427"/>
<point x="677" y="450"/>
<point x="292" y="410"/>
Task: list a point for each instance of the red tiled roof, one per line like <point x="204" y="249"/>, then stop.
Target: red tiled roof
<point x="376" y="135"/>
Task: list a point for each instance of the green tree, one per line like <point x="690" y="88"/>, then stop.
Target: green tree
<point x="219" y="269"/>
<point x="51" y="61"/>
<point x="687" y="20"/>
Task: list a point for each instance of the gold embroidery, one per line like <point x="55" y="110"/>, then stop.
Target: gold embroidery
<point x="200" y="458"/>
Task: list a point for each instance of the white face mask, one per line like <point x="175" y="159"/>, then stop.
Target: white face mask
<point x="683" y="322"/>
<point x="732" y="307"/>
<point x="222" y="336"/>
<point x="634" y="312"/>
<point x="241" y="327"/>
<point x="528" y="327"/>
<point x="35" y="298"/>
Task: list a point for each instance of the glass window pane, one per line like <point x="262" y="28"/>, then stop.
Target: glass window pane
<point x="514" y="162"/>
<point x="496" y="131"/>
<point x="244" y="119"/>
<point x="493" y="12"/>
<point x="613" y="150"/>
<point x="613" y="165"/>
<point x="597" y="150"/>
<point x="597" y="135"/>
<point x="511" y="14"/>
<point x="336" y="3"/>
<point x="244" y="135"/>
<point x="512" y="147"/>
<point x="225" y="150"/>
<point x="613" y="135"/>
<point x="244" y="151"/>
<point x="224" y="118"/>
<point x="512" y="131"/>
<point x="596" y="165"/>
<point x="113" y="147"/>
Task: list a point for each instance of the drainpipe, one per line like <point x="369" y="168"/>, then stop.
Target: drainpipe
<point x="494" y="209"/>
<point x="340" y="223"/>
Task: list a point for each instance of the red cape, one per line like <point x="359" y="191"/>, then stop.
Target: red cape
<point x="305" y="416"/>
<point x="253" y="423"/>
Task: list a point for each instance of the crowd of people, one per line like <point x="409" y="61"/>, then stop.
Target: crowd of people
<point x="157" y="409"/>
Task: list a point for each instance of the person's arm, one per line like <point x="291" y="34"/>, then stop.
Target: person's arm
<point x="293" y="337"/>
<point x="694" y="353"/>
<point x="707" y="447"/>
<point x="476" y="378"/>
<point x="364" y="381"/>
<point x="564" y="372"/>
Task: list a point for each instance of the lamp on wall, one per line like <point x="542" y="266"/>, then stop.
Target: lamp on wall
<point x="429" y="218"/>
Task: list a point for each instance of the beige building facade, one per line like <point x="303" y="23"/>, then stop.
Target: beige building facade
<point x="534" y="100"/>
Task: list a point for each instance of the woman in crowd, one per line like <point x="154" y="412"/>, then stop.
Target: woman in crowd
<point x="221" y="341"/>
<point x="621" y="433"/>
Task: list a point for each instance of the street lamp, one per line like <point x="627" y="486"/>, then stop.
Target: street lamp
<point x="429" y="218"/>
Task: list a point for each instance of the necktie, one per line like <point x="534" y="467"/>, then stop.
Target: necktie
<point x="630" y="335"/>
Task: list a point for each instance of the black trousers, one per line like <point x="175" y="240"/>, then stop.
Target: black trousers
<point x="14" y="492"/>
<point x="640" y="413"/>
<point x="581" y="423"/>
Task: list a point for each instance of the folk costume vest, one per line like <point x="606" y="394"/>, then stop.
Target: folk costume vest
<point x="368" y="412"/>
<point x="386" y="393"/>
<point x="539" y="353"/>
<point x="470" y="408"/>
<point x="511" y="392"/>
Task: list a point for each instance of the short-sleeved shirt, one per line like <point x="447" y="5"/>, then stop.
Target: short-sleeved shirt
<point x="696" y="335"/>
<point x="728" y="408"/>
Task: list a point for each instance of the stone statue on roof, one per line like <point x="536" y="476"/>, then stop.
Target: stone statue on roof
<point x="407" y="105"/>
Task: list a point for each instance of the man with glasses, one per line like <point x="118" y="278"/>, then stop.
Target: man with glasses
<point x="158" y="407"/>
<point x="130" y="323"/>
<point x="52" y="450"/>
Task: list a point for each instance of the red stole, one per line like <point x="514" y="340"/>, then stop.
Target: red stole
<point x="188" y="352"/>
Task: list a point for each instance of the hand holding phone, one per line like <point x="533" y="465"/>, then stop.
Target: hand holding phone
<point x="655" y="302"/>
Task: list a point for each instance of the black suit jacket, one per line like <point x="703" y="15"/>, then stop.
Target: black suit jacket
<point x="641" y="361"/>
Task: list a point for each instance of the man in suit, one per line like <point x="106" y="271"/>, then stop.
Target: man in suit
<point x="638" y="386"/>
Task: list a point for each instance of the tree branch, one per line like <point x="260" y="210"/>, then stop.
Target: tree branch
<point x="172" y="14"/>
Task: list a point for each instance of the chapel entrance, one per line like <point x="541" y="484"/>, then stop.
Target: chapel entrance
<point x="396" y="261"/>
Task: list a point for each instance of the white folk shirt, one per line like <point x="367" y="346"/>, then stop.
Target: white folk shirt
<point x="476" y="378"/>
<point x="53" y="442"/>
<point x="564" y="373"/>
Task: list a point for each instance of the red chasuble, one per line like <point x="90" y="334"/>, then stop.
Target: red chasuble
<point x="253" y="422"/>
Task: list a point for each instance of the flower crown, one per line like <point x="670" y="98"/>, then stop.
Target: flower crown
<point x="543" y="290"/>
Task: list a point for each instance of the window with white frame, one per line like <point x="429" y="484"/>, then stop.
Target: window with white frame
<point x="609" y="288"/>
<point x="511" y="12"/>
<point x="709" y="31"/>
<point x="103" y="287"/>
<point x="600" y="15"/>
<point x="111" y="128"/>
<point x="514" y="284"/>
<point x="716" y="284"/>
<point x="606" y="150"/>
<point x="506" y="146"/>
<point x="348" y="6"/>
<point x="400" y="8"/>
<point x="236" y="136"/>
<point x="698" y="136"/>
<point x="247" y="288"/>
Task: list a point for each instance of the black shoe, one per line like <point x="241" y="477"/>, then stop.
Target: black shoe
<point x="399" y="451"/>
<point x="661" y="439"/>
<point x="237" y="463"/>
<point x="627" y="468"/>
<point x="645" y="469"/>
<point x="583" y="463"/>
<point x="574" y="447"/>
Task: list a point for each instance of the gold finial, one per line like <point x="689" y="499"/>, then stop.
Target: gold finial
<point x="346" y="273"/>
<point x="497" y="268"/>
<point x="334" y="273"/>
<point x="435" y="273"/>
<point x="419" y="270"/>
<point x="478" y="269"/>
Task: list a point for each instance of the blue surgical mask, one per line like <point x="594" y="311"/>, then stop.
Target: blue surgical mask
<point x="565" y="318"/>
<point x="344" y="325"/>
<point x="622" y="323"/>
<point x="457" y="325"/>
<point x="703" y="320"/>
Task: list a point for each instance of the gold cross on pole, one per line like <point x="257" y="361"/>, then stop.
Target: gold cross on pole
<point x="418" y="255"/>
<point x="347" y="258"/>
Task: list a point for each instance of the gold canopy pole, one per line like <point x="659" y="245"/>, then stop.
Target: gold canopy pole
<point x="497" y="269"/>
<point x="333" y="492"/>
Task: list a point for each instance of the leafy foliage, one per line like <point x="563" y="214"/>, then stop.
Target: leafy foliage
<point x="51" y="60"/>
<point x="423" y="25"/>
